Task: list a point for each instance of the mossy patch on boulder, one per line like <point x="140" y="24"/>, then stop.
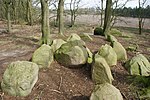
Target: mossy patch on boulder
<point x="101" y="72"/>
<point x="43" y="56"/>
<point x="19" y="78"/>
<point x="90" y="56"/>
<point x="105" y="91"/>
<point x="56" y="44"/>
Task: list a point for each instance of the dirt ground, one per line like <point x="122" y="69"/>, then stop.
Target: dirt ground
<point x="59" y="82"/>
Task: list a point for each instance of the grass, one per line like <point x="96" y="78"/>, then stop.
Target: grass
<point x="133" y="30"/>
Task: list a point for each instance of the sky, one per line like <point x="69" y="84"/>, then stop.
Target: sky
<point x="95" y="3"/>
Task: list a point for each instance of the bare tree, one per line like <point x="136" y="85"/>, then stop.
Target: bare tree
<point x="115" y="17"/>
<point x="45" y="22"/>
<point x="74" y="6"/>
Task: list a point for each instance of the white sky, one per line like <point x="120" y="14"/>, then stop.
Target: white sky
<point x="95" y="3"/>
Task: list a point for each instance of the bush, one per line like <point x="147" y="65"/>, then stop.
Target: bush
<point x="115" y="32"/>
<point x="98" y="31"/>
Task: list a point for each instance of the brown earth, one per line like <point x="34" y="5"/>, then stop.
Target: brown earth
<point x="59" y="82"/>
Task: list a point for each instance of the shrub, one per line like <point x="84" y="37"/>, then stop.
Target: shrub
<point x="98" y="31"/>
<point x="115" y="32"/>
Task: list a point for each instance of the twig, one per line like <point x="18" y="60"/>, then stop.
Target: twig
<point x="55" y="91"/>
<point x="1" y="96"/>
<point x="124" y="96"/>
<point x="138" y="95"/>
<point x="39" y="96"/>
<point x="60" y="83"/>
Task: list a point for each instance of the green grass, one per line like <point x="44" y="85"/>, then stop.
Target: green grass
<point x="133" y="30"/>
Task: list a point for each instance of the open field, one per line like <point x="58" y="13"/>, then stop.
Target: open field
<point x="95" y="20"/>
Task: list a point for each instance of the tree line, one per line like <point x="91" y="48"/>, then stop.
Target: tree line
<point x="133" y="12"/>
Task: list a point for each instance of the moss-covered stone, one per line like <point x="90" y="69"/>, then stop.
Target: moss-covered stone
<point x="138" y="65"/>
<point x="43" y="56"/>
<point x="72" y="53"/>
<point x="73" y="37"/>
<point x="109" y="54"/>
<point x="105" y="91"/>
<point x="101" y="72"/>
<point x="120" y="51"/>
<point x="111" y="38"/>
<point x="56" y="44"/>
<point x="19" y="78"/>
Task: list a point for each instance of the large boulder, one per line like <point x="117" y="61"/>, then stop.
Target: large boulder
<point x="138" y="65"/>
<point x="106" y="91"/>
<point x="101" y="72"/>
<point x="43" y="56"/>
<point x="85" y="37"/>
<point x="19" y="78"/>
<point x="73" y="37"/>
<point x="109" y="54"/>
<point x="72" y="53"/>
<point x="120" y="51"/>
<point x="56" y="44"/>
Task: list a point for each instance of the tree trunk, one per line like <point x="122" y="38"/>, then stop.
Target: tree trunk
<point x="140" y="19"/>
<point x="45" y="23"/>
<point x="61" y="21"/>
<point x="29" y="12"/>
<point x="107" y="19"/>
<point x="140" y="26"/>
<point x="72" y="19"/>
<point x="57" y="18"/>
<point x="101" y="13"/>
<point x="8" y="17"/>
